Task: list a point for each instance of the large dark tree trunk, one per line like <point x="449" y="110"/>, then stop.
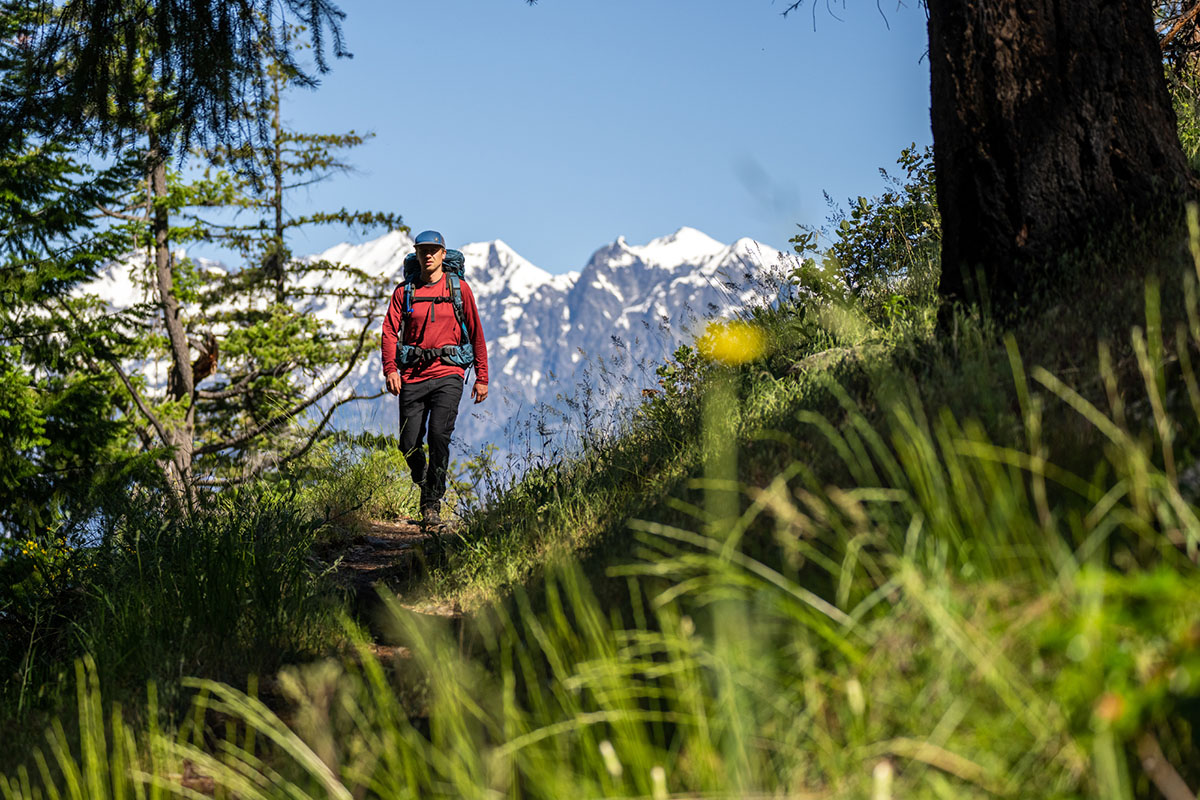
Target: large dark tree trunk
<point x="1052" y="129"/>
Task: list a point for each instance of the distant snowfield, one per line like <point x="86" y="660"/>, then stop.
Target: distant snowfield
<point x="561" y="348"/>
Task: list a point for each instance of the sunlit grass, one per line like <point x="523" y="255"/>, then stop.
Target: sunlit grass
<point x="957" y="618"/>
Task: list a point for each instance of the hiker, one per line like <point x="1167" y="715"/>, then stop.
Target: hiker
<point x="431" y="336"/>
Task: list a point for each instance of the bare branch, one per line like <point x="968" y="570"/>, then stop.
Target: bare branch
<point x="1183" y="19"/>
<point x="297" y="453"/>
<point x="243" y="385"/>
<point x="223" y="483"/>
<point x="108" y="212"/>
<point x="137" y="399"/>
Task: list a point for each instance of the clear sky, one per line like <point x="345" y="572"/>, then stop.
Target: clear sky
<point x="559" y="126"/>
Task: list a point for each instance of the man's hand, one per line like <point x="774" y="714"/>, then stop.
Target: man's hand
<point x="394" y="383"/>
<point x="479" y="392"/>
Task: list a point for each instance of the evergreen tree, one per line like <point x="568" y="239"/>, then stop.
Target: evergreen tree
<point x="267" y="358"/>
<point x="64" y="446"/>
<point x="152" y="77"/>
<point x="277" y="357"/>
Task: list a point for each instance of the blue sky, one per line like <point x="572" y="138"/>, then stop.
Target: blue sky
<point x="560" y="126"/>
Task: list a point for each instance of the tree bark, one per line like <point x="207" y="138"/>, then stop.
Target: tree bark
<point x="1053" y="129"/>
<point x="181" y="385"/>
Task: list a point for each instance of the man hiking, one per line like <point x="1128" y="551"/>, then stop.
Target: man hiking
<point x="431" y="335"/>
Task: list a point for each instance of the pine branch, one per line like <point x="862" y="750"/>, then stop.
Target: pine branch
<point x="284" y="416"/>
<point x="243" y="384"/>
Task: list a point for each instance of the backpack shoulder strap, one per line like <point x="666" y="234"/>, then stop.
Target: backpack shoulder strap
<point x="407" y="305"/>
<point x="406" y="301"/>
<point x="456" y="298"/>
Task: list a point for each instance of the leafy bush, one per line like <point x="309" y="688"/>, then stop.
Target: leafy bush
<point x="885" y="251"/>
<point x="347" y="479"/>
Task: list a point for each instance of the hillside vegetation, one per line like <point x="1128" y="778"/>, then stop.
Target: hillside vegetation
<point x="846" y="550"/>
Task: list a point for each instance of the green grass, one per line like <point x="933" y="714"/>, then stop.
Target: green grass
<point x="886" y="559"/>
<point x="227" y="593"/>
<point x="973" y="641"/>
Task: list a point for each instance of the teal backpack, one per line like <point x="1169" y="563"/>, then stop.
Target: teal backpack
<point x="458" y="355"/>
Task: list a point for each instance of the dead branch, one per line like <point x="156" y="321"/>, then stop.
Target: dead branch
<point x="243" y="384"/>
<point x="292" y="456"/>
<point x="108" y="212"/>
<point x="1184" y="18"/>
<point x="299" y="452"/>
<point x="137" y="399"/>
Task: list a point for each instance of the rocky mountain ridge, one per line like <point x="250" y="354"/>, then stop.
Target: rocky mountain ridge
<point x="562" y="348"/>
<point x="553" y="338"/>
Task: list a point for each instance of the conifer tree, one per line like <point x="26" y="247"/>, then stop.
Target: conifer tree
<point x="131" y="78"/>
<point x="64" y="444"/>
<point x="266" y="358"/>
<point x="276" y="356"/>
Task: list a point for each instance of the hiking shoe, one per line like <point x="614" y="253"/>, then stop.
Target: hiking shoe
<point x="431" y="515"/>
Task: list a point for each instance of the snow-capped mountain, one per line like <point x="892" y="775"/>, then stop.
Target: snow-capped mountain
<point x="561" y="348"/>
<point x="607" y="325"/>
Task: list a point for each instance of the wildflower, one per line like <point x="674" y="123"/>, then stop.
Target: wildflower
<point x="732" y="342"/>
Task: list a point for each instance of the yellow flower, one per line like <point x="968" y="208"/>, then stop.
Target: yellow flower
<point x="732" y="342"/>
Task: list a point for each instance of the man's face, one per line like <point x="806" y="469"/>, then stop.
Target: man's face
<point x="430" y="257"/>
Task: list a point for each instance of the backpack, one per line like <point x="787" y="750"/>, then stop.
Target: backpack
<point x="458" y="355"/>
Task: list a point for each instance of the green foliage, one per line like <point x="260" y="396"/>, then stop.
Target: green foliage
<point x="228" y="593"/>
<point x="346" y="480"/>
<point x="64" y="449"/>
<point x="1124" y="650"/>
<point x="927" y="631"/>
<point x="1177" y="27"/>
<point x="883" y="249"/>
<point x="948" y="573"/>
<point x="1184" y="84"/>
<point x="22" y="428"/>
<point x="196" y="65"/>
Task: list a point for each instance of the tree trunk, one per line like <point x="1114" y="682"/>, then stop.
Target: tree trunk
<point x="1053" y="129"/>
<point x="181" y="385"/>
<point x="278" y="257"/>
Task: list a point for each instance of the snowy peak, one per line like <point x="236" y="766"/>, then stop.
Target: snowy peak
<point x="494" y="266"/>
<point x="632" y="304"/>
<point x="382" y="256"/>
<point x="684" y="246"/>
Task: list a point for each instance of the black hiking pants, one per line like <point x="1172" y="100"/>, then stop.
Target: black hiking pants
<point x="429" y="407"/>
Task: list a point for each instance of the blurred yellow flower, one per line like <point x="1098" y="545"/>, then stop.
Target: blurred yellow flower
<point x="732" y="342"/>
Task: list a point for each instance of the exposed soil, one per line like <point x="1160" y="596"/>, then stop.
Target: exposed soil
<point x="385" y="554"/>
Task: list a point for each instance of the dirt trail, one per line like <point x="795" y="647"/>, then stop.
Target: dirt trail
<point x="381" y="551"/>
<point x="385" y="553"/>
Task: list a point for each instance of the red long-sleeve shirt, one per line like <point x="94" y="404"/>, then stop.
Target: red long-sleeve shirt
<point x="440" y="331"/>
